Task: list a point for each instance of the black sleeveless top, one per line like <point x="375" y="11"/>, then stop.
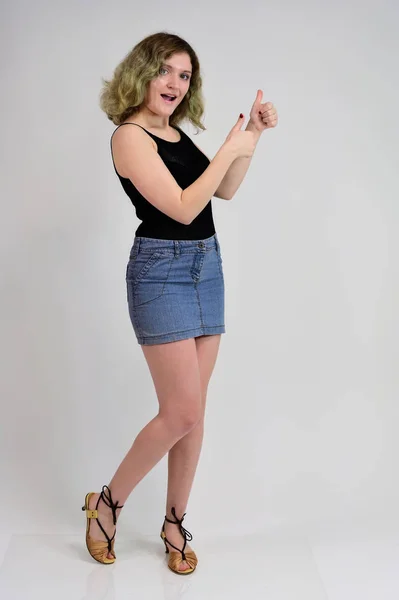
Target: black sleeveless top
<point x="186" y="163"/>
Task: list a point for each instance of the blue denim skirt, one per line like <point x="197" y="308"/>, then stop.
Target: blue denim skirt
<point x="175" y="289"/>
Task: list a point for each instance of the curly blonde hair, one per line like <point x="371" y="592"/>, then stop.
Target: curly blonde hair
<point x="124" y="94"/>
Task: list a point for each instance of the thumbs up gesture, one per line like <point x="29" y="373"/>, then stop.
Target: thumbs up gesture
<point x="262" y="116"/>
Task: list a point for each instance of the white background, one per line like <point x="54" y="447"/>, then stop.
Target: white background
<point x="302" y="413"/>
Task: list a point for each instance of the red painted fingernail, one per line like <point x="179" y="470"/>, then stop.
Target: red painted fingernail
<point x="241" y="115"/>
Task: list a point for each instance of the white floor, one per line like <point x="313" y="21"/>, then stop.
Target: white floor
<point x="333" y="565"/>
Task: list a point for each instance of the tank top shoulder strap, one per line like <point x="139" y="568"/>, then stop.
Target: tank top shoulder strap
<point x="110" y="142"/>
<point x="128" y="123"/>
<point x="122" y="124"/>
<point x="148" y="132"/>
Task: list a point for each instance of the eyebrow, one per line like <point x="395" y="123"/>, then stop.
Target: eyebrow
<point x="171" y="67"/>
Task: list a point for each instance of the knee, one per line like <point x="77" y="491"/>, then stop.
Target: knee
<point x="183" y="420"/>
<point x="190" y="420"/>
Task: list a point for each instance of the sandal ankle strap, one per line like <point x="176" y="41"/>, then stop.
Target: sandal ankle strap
<point x="108" y="501"/>
<point x="186" y="534"/>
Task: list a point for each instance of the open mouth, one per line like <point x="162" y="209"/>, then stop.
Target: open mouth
<point x="168" y="98"/>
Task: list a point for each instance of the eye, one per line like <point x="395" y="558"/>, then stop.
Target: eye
<point x="184" y="74"/>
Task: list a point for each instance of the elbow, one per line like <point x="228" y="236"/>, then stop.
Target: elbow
<point x="184" y="217"/>
<point x="226" y="196"/>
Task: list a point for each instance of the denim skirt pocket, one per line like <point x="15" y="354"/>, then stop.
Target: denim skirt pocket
<point x="146" y="276"/>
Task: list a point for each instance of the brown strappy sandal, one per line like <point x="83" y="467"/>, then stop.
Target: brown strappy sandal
<point x="99" y="549"/>
<point x="176" y="558"/>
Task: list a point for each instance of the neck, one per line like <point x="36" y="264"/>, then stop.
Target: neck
<point x="151" y="120"/>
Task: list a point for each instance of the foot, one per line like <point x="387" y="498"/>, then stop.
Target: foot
<point x="176" y="538"/>
<point x="106" y="519"/>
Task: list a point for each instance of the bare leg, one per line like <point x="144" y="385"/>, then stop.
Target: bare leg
<point x="184" y="456"/>
<point x="182" y="464"/>
<point x="174" y="368"/>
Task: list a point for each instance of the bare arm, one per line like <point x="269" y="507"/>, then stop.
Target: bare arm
<point x="197" y="195"/>
<point x="236" y="172"/>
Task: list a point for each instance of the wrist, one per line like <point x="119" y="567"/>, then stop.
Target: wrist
<point x="230" y="151"/>
<point x="251" y="127"/>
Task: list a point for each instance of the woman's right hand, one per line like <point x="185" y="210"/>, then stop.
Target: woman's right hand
<point x="241" y="143"/>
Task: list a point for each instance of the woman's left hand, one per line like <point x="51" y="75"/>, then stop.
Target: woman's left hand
<point x="262" y="116"/>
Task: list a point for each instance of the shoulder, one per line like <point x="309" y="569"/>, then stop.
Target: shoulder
<point x="128" y="133"/>
<point x="127" y="145"/>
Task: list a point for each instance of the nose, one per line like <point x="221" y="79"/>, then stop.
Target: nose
<point x="173" y="83"/>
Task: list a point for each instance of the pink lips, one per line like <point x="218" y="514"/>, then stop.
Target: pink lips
<point x="167" y="100"/>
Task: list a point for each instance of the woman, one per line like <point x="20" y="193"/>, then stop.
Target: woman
<point x="174" y="276"/>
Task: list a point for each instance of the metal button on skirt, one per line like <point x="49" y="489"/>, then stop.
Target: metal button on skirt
<point x="175" y="289"/>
